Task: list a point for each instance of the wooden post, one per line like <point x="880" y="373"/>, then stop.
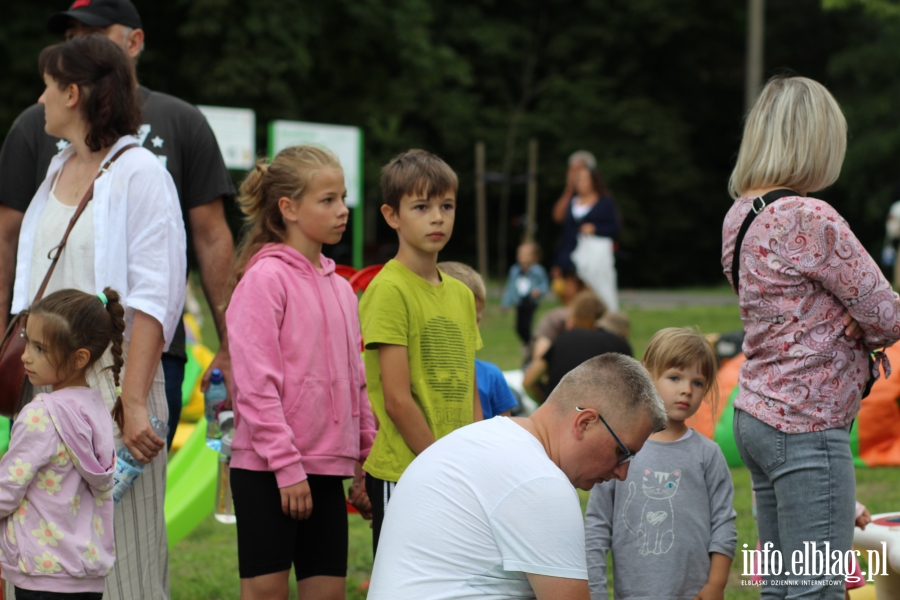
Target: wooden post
<point x="756" y="12"/>
<point x="531" y="225"/>
<point x="503" y="223"/>
<point x="481" y="210"/>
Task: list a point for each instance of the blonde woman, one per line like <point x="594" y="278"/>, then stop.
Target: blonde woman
<point x="814" y="305"/>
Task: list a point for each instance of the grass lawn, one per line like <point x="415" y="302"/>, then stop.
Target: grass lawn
<point x="204" y="564"/>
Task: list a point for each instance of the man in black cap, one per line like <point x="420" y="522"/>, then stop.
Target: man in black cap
<point x="173" y="130"/>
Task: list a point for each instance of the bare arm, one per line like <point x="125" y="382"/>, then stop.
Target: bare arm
<point x="144" y="354"/>
<point x="532" y="378"/>
<point x="558" y="588"/>
<point x="215" y="252"/>
<point x="477" y="411"/>
<point x="562" y="204"/>
<point x="10" y="223"/>
<point x="398" y="401"/>
<point x="541" y="345"/>
<point x="718" y="578"/>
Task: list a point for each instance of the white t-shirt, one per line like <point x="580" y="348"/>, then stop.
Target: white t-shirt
<point x="473" y="514"/>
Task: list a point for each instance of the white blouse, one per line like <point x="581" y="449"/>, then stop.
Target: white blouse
<point x="75" y="268"/>
<point x="139" y="237"/>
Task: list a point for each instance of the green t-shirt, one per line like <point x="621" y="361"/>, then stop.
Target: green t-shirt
<point x="437" y="325"/>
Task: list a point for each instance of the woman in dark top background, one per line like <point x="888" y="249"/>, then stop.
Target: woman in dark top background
<point x="589" y="212"/>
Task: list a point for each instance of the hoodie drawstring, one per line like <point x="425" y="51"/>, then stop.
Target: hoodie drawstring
<point x="351" y="353"/>
<point x="327" y="350"/>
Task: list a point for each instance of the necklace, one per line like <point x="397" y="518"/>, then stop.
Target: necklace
<point x="81" y="182"/>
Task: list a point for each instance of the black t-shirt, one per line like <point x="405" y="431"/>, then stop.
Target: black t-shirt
<point x="174" y="130"/>
<point x="574" y="346"/>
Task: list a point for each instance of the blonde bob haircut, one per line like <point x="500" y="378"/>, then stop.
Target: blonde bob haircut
<point x="681" y="348"/>
<point x="795" y="137"/>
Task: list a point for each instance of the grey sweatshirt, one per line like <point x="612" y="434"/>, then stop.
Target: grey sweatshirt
<point x="662" y="522"/>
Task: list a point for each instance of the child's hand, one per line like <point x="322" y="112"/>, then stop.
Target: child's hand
<point x="296" y="500"/>
<point x="711" y="592"/>
<point x="358" y="497"/>
<point x="864" y="519"/>
<point x="535" y="293"/>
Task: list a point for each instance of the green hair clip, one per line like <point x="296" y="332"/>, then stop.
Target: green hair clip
<point x="103" y="298"/>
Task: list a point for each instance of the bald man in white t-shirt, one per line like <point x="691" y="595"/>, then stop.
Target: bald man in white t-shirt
<point x="490" y="511"/>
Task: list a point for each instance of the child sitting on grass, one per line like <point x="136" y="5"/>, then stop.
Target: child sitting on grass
<point x="580" y="341"/>
<point x="670" y="523"/>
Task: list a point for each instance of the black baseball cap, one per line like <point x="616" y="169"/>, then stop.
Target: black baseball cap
<point x="96" y="13"/>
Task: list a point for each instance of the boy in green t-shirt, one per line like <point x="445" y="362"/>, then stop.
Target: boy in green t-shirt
<point x="419" y="328"/>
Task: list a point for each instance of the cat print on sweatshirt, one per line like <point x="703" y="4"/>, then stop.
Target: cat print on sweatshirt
<point x="656" y="531"/>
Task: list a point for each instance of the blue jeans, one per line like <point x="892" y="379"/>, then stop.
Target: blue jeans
<point x="173" y="369"/>
<point x="805" y="492"/>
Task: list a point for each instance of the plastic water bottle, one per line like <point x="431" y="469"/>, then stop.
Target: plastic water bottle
<point x="215" y="395"/>
<point x="225" y="421"/>
<point x="224" y="504"/>
<point x="128" y="468"/>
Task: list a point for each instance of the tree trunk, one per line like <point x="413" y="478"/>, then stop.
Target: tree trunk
<point x="529" y="90"/>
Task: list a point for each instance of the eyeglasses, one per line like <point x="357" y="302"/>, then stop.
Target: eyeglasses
<point x="628" y="455"/>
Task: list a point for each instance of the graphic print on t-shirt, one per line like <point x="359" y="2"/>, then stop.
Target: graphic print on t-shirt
<point x="523" y="285"/>
<point x="142" y="133"/>
<point x="656" y="531"/>
<point x="444" y="359"/>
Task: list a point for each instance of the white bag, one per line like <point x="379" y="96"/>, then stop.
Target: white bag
<point x="596" y="267"/>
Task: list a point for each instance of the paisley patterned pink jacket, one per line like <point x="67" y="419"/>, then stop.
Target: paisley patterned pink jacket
<point x="802" y="270"/>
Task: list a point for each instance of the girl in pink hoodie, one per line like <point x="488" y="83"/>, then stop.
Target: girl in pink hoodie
<point x="56" y="534"/>
<point x="302" y="418"/>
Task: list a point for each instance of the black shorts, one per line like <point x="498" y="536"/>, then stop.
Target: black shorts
<point x="269" y="541"/>
<point x="379" y="492"/>
<point x="35" y="595"/>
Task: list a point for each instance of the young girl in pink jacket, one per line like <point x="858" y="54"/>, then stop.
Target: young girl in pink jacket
<point x="56" y="532"/>
<point x="302" y="418"/>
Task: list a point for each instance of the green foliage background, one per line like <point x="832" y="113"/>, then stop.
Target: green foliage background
<point x="653" y="87"/>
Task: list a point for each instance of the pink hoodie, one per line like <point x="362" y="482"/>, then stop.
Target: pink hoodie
<point x="300" y="403"/>
<point x="57" y="526"/>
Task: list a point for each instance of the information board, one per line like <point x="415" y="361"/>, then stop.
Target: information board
<point x="235" y="130"/>
<point x="344" y="141"/>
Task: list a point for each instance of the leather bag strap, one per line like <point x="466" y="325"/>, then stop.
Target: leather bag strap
<point x="54" y="252"/>
<point x="759" y="203"/>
